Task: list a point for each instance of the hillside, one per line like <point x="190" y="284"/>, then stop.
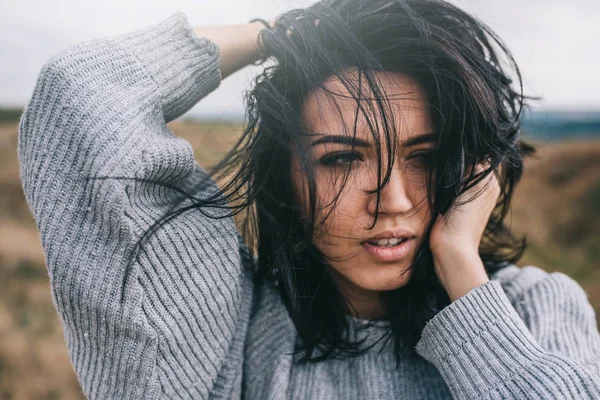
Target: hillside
<point x="556" y="205"/>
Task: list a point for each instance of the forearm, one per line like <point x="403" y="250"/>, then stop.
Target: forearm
<point x="483" y="348"/>
<point x="238" y="44"/>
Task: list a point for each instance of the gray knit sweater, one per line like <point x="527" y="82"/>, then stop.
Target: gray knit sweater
<point x="184" y="319"/>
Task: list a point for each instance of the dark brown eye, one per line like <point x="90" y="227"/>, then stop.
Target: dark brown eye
<point x="340" y="158"/>
<point x="419" y="161"/>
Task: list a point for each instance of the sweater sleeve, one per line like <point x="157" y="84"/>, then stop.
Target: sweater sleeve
<point x="545" y="346"/>
<point x="98" y="168"/>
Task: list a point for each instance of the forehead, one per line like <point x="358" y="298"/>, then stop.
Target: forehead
<point x="334" y="110"/>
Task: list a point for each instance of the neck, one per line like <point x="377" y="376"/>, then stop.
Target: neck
<point x="369" y="308"/>
<point x="364" y="304"/>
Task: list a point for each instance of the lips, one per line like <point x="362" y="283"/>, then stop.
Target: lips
<point x="387" y="242"/>
<point x="393" y="253"/>
<point x="390" y="245"/>
<point x="390" y="236"/>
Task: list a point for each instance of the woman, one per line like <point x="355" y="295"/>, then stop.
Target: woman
<point x="375" y="172"/>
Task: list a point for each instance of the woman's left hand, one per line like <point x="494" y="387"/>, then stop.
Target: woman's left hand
<point x="454" y="241"/>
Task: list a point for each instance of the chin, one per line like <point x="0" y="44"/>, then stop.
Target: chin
<point x="381" y="279"/>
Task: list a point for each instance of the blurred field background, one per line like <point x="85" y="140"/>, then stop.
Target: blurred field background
<point x="556" y="205"/>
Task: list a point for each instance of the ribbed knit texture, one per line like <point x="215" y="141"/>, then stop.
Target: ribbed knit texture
<point x="183" y="319"/>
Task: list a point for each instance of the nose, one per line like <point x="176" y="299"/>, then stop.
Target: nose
<point x="394" y="197"/>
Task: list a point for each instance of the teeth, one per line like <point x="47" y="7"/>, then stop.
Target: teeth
<point x="388" y="242"/>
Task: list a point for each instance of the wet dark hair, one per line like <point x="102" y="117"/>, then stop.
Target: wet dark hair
<point x="465" y="71"/>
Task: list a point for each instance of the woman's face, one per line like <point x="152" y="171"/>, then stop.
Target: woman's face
<point x="362" y="260"/>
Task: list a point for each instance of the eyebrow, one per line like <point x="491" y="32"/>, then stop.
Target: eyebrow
<point x="356" y="142"/>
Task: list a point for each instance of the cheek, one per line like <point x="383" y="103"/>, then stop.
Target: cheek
<point x="336" y="196"/>
<point x="342" y="206"/>
<point x="417" y="193"/>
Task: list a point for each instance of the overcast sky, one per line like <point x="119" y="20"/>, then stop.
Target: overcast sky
<point x="555" y="42"/>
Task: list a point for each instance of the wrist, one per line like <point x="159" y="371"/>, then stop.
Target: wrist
<point x="459" y="272"/>
<point x="237" y="44"/>
<point x="254" y="27"/>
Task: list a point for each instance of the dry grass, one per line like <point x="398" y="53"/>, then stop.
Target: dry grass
<point x="34" y="363"/>
<point x="556" y="204"/>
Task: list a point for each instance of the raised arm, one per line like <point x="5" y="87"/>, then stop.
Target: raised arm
<point x="167" y="319"/>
